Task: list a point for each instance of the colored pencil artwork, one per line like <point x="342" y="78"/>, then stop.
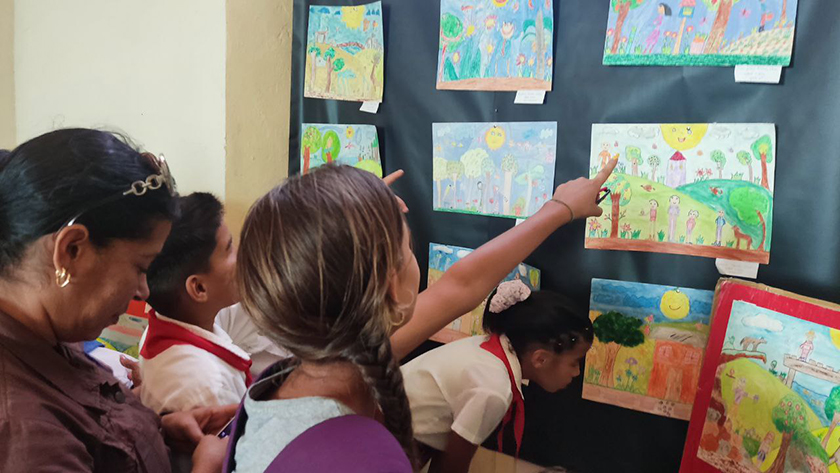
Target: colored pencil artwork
<point x="768" y="398"/>
<point x="496" y="45"/>
<point x="345" y="53"/>
<point x="441" y="258"/>
<point x="497" y="169"/>
<point x="694" y="189"/>
<point x="353" y="145"/>
<point x="648" y="347"/>
<point x="700" y="32"/>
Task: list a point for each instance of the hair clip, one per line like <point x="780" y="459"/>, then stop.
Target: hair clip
<point x="138" y="188"/>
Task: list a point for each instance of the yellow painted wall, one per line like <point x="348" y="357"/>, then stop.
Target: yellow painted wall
<point x="7" y="75"/>
<point x="259" y="54"/>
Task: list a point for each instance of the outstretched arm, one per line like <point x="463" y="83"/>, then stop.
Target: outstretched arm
<point x="469" y="281"/>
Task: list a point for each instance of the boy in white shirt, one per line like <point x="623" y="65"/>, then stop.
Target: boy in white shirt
<point x="186" y="359"/>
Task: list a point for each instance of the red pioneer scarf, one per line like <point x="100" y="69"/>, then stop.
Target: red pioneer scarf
<point x="517" y="407"/>
<point x="163" y="334"/>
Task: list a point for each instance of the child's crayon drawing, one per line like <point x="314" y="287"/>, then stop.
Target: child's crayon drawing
<point x="648" y="347"/>
<point x="498" y="169"/>
<point x="700" y="32"/>
<point x="695" y="189"/>
<point x="441" y="258"/>
<point x="345" y="53"/>
<point x="124" y="336"/>
<point x="769" y="395"/>
<point x="353" y="145"/>
<point x="495" y="45"/>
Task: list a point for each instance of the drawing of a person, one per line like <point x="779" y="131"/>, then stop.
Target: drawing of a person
<point x="764" y="16"/>
<point x="604" y="155"/>
<point x="807" y="347"/>
<point x="720" y="221"/>
<point x="496" y="200"/>
<point x="654" y="207"/>
<point x="449" y="197"/>
<point x="740" y="393"/>
<point x="673" y="215"/>
<point x="653" y="38"/>
<point x="690" y="223"/>
<point x="765" y="447"/>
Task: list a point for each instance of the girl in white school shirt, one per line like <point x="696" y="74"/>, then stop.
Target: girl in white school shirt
<point x="459" y="393"/>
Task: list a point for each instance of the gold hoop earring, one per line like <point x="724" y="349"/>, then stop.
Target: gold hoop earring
<point x="398" y="323"/>
<point x="62" y="277"/>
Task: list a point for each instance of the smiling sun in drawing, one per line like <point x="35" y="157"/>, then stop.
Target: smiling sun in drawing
<point x="683" y="136"/>
<point x="835" y="337"/>
<point x="675" y="305"/>
<point x="495" y="138"/>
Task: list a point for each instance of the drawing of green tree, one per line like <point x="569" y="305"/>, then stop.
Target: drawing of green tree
<point x="832" y="411"/>
<point x="329" y="56"/>
<point x="315" y="52"/>
<point x="634" y="155"/>
<point x="789" y="418"/>
<point x="751" y="205"/>
<point x="337" y="66"/>
<point x="450" y="35"/>
<point x="330" y="147"/>
<point x="439" y="173"/>
<point x="745" y="159"/>
<point x="311" y="143"/>
<point x="529" y="180"/>
<point x="472" y="161"/>
<point x="615" y="330"/>
<point x="654" y="163"/>
<point x="724" y="11"/>
<point x="720" y="160"/>
<point x="623" y="7"/>
<point x="763" y="151"/>
<point x="454" y="169"/>
<point x="620" y="195"/>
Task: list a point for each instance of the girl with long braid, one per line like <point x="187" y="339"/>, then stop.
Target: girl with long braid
<point x="326" y="269"/>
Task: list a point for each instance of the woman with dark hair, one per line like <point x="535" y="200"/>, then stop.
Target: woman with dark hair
<point x="82" y="215"/>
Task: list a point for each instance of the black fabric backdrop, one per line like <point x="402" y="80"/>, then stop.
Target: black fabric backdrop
<point x="563" y="429"/>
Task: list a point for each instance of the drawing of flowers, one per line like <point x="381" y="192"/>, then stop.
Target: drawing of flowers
<point x="594" y="226"/>
<point x="490" y="22"/>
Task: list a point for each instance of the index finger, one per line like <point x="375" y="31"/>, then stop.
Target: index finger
<point x="391" y="178"/>
<point x="602" y="176"/>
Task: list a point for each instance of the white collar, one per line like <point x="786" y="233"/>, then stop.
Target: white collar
<point x="513" y="359"/>
<point x="217" y="336"/>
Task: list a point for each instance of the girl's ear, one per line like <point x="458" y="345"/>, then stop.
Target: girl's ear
<point x="539" y="358"/>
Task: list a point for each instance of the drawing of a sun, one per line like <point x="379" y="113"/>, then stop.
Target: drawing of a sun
<point x="500" y="3"/>
<point x="675" y="305"/>
<point x="350" y="132"/>
<point x="683" y="136"/>
<point x="495" y="138"/>
<point x="835" y="337"/>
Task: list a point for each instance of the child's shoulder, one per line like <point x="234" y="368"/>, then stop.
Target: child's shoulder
<point x="458" y="357"/>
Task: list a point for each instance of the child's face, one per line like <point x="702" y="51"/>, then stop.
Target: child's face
<point x="220" y="279"/>
<point x="557" y="370"/>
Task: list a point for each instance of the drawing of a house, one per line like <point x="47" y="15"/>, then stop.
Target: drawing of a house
<point x="676" y="370"/>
